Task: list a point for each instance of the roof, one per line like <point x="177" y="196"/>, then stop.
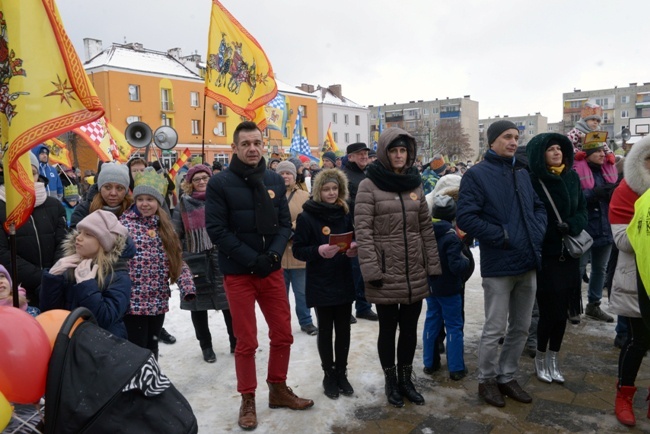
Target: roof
<point x="143" y="60"/>
<point x="325" y="96"/>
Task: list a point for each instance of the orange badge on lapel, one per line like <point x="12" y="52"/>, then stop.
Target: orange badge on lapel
<point x="151" y="233"/>
<point x="413" y="196"/>
<point x="326" y="230"/>
<point x="272" y="194"/>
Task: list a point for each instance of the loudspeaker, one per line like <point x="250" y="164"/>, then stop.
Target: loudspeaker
<point x="138" y="134"/>
<point x="165" y="137"/>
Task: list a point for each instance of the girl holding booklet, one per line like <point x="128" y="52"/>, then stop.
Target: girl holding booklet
<point x="329" y="286"/>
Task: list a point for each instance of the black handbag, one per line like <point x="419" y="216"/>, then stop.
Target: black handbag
<point x="576" y="245"/>
<point x="200" y="265"/>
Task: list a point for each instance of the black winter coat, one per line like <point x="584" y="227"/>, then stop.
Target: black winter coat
<point x="38" y="244"/>
<point x="355" y="176"/>
<point x="230" y="221"/>
<point x="329" y="281"/>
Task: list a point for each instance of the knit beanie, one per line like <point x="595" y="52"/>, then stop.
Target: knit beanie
<point x="497" y="128"/>
<point x="438" y="164"/>
<point x="286" y="166"/>
<point x="113" y="172"/>
<point x="4" y="271"/>
<point x="104" y="226"/>
<point x="304" y="158"/>
<point x="196" y="169"/>
<point x="444" y="208"/>
<point x="331" y="156"/>
<point x="151" y="183"/>
<point x="33" y="160"/>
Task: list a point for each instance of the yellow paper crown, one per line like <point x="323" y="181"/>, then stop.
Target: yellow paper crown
<point x="149" y="182"/>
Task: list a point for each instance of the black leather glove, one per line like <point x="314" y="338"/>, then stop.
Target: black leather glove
<point x="377" y="283"/>
<point x="563" y="228"/>
<point x="263" y="265"/>
<point x="604" y="192"/>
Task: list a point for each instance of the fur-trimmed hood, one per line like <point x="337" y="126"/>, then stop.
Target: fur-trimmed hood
<point x="536" y="152"/>
<point x="636" y="175"/>
<point x="386" y="138"/>
<point x="321" y="179"/>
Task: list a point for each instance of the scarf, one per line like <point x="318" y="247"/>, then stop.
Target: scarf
<point x="582" y="126"/>
<point x="266" y="219"/>
<point x="39" y="190"/>
<point x="556" y="170"/>
<point x="327" y="212"/>
<point x="388" y="180"/>
<point x="193" y="216"/>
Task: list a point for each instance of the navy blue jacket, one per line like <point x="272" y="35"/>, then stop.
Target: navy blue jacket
<point x="329" y="282"/>
<point x="230" y="220"/>
<point x="108" y="304"/>
<point x="498" y="206"/>
<point x="452" y="261"/>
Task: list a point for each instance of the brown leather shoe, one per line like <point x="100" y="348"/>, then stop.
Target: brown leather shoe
<point x="513" y="390"/>
<point x="490" y="392"/>
<point x="280" y="395"/>
<point x="247" y="415"/>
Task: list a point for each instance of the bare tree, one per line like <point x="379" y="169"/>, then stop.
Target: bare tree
<point x="449" y="139"/>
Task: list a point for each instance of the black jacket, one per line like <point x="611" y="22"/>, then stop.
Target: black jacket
<point x="230" y="220"/>
<point x="329" y="281"/>
<point x="38" y="244"/>
<point x="355" y="176"/>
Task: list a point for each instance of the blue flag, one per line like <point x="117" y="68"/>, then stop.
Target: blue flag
<point x="299" y="142"/>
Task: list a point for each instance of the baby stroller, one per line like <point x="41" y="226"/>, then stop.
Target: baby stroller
<point x="99" y="383"/>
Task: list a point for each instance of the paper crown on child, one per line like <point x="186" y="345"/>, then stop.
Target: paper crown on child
<point x="591" y="111"/>
<point x="151" y="183"/>
<point x="71" y="192"/>
<point x="196" y="160"/>
<point x="594" y="140"/>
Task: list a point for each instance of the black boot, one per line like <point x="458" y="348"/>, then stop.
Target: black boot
<point x="392" y="391"/>
<point x="406" y="387"/>
<point x="342" y="380"/>
<point x="330" y="384"/>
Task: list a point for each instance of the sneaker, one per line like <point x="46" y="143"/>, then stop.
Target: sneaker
<point x="594" y="311"/>
<point x="166" y="337"/>
<point x="458" y="375"/>
<point x="491" y="394"/>
<point x="310" y="329"/>
<point x="353" y="320"/>
<point x="369" y="315"/>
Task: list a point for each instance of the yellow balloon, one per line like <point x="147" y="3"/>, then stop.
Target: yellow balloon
<point x="5" y="412"/>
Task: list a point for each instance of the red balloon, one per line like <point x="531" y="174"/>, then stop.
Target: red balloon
<point x="24" y="356"/>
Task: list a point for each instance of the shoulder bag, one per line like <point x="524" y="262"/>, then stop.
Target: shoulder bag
<point x="576" y="245"/>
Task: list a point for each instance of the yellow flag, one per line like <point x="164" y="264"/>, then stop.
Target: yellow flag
<point x="44" y="92"/>
<point x="329" y="140"/>
<point x="239" y="75"/>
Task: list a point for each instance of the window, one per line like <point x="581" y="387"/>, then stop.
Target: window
<point x="219" y="108"/>
<point x="603" y="102"/>
<point x="303" y="110"/>
<point x="373" y="116"/>
<point x="347" y="137"/>
<point x="605" y="118"/>
<point x="346" y="119"/>
<point x="334" y="118"/>
<point x="531" y="132"/>
<point x="575" y="118"/>
<point x="531" y="123"/>
<point x="134" y="92"/>
<point x="220" y="129"/>
<point x="168" y="122"/>
<point x="357" y="120"/>
<point x="132" y="119"/>
<point x="265" y="133"/>
<point x="425" y="112"/>
<point x="358" y="138"/>
<point x="625" y="99"/>
<point x="336" y="137"/>
<point x="194" y="99"/>
<point x="625" y="114"/>
<point x="575" y="104"/>
<point x="221" y="158"/>
<point x="196" y="127"/>
<point x="165" y="100"/>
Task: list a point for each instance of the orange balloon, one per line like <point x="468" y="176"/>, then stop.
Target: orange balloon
<point x="52" y="320"/>
<point x="24" y="355"/>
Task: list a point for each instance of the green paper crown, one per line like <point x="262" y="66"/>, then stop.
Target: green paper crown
<point x="149" y="178"/>
<point x="71" y="190"/>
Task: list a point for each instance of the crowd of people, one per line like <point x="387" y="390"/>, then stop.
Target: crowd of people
<point x="370" y="227"/>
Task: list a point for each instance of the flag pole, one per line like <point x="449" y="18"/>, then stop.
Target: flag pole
<point x="203" y="131"/>
<point x="14" y="266"/>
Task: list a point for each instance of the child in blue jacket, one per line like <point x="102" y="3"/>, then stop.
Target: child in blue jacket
<point x="445" y="302"/>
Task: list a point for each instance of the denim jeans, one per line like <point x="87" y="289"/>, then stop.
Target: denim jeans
<point x="508" y="302"/>
<point x="296" y="277"/>
<point x="599" y="258"/>
<point x="451" y="310"/>
<point x="361" y="306"/>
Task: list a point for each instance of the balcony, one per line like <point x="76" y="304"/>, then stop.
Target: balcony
<point x="167" y="106"/>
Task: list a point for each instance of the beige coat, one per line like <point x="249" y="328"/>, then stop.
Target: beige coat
<point x="295" y="208"/>
<point x="396" y="239"/>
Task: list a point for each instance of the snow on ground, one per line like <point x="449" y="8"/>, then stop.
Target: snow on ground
<point x="211" y="389"/>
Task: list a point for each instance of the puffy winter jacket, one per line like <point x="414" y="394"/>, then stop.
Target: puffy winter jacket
<point x="54" y="187"/>
<point x="230" y="220"/>
<point x="498" y="206"/>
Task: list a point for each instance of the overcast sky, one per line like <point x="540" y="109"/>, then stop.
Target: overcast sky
<point x="515" y="57"/>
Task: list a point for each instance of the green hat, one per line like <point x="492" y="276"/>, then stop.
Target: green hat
<point x="151" y="183"/>
<point x="71" y="192"/>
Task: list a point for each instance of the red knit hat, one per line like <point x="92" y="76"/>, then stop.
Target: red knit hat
<point x="196" y="169"/>
<point x="303" y="158"/>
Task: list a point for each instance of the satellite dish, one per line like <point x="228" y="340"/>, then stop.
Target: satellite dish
<point x="165" y="137"/>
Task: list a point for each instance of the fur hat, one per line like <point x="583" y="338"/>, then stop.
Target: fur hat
<point x="104" y="226"/>
<point x="591" y="111"/>
<point x="497" y="128"/>
<point x="286" y="166"/>
<point x="149" y="182"/>
<point x="438" y="164"/>
<point x="444" y="208"/>
<point x="113" y="172"/>
<point x="196" y="169"/>
<point x="331" y="175"/>
<point x="331" y="156"/>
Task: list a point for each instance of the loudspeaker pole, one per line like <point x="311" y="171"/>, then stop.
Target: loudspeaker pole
<point x="203" y="131"/>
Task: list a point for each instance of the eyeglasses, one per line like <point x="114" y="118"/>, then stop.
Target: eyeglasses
<point x="198" y="179"/>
